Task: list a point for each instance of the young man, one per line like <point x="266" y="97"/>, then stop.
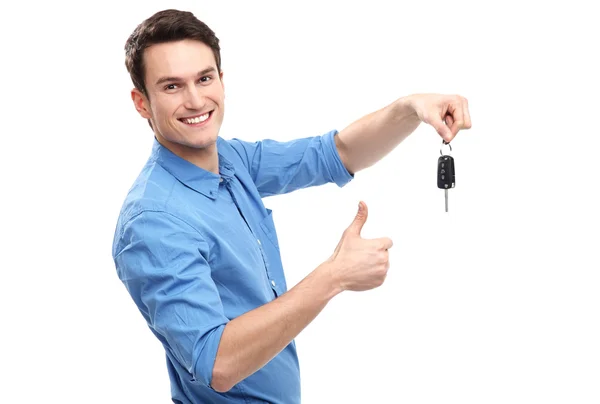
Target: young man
<point x="195" y="246"/>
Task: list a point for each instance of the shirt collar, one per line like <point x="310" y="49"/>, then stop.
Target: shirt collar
<point x="194" y="177"/>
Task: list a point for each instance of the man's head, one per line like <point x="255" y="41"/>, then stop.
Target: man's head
<point x="174" y="62"/>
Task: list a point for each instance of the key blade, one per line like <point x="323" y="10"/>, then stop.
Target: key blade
<point x="446" y="198"/>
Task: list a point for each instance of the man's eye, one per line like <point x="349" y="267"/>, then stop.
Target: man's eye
<point x="204" y="79"/>
<point x="171" y="87"/>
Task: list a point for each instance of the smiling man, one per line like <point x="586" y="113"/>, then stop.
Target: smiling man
<point x="196" y="248"/>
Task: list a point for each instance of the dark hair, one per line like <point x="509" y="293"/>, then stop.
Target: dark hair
<point x="165" y="26"/>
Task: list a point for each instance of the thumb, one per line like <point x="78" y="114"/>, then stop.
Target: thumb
<point x="360" y="219"/>
<point x="443" y="128"/>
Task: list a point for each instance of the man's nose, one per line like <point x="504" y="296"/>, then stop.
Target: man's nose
<point x="194" y="98"/>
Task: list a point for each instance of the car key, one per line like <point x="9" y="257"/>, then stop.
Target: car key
<point x="446" y="172"/>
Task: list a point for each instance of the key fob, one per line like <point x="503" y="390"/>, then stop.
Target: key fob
<point x="445" y="172"/>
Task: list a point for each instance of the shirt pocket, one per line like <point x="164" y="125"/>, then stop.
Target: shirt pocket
<point x="268" y="227"/>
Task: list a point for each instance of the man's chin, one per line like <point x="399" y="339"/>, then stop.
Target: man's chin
<point x="202" y="142"/>
<point x="187" y="141"/>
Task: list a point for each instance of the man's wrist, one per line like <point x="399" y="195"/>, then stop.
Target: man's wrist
<point x="404" y="108"/>
<point x="327" y="275"/>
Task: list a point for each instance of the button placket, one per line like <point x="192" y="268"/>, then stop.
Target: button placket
<point x="260" y="247"/>
<point x="266" y="262"/>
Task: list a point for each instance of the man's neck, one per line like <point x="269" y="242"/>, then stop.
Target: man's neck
<point x="206" y="158"/>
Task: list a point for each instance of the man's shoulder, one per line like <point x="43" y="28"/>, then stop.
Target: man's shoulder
<point x="150" y="192"/>
<point x="233" y="148"/>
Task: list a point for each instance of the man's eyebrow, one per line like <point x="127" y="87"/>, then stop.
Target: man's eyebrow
<point x="175" y="79"/>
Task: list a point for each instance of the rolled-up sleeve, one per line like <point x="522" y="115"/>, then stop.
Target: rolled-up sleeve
<point x="162" y="262"/>
<point x="281" y="167"/>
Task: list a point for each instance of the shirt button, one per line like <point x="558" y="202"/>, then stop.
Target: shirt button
<point x="259" y="243"/>
<point x="273" y="283"/>
<point x="221" y="179"/>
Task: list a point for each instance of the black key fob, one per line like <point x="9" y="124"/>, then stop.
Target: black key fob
<point x="445" y="172"/>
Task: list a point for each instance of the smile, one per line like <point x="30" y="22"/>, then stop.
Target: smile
<point x="195" y="120"/>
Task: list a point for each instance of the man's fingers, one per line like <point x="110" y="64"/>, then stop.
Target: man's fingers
<point x="458" y="117"/>
<point x="444" y="130"/>
<point x="467" y="114"/>
<point x="383" y="243"/>
<point x="448" y="120"/>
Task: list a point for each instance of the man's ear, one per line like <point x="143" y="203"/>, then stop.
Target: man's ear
<point x="222" y="82"/>
<point x="141" y="103"/>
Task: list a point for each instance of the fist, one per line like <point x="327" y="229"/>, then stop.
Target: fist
<point x="359" y="264"/>
<point x="448" y="114"/>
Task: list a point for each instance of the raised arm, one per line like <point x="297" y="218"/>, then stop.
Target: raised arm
<point x="279" y="167"/>
<point x="370" y="138"/>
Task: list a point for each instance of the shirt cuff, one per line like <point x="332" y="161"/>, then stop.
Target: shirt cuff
<point x="208" y="356"/>
<point x="339" y="173"/>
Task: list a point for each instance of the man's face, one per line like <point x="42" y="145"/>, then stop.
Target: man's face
<point x="185" y="95"/>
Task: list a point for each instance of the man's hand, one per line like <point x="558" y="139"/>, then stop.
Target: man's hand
<point x="358" y="264"/>
<point x="367" y="140"/>
<point x="446" y="113"/>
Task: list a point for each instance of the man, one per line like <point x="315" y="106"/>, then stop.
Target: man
<point x="195" y="246"/>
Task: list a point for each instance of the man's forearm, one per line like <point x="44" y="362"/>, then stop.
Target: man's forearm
<point x="369" y="139"/>
<point x="254" y="338"/>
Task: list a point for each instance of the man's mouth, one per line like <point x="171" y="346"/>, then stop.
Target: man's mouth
<point x="195" y="120"/>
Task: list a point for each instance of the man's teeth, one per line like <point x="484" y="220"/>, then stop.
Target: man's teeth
<point x="197" y="119"/>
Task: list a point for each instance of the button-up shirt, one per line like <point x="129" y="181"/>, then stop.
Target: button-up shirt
<point x="197" y="249"/>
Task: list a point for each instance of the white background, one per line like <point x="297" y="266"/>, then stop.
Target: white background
<point x="496" y="301"/>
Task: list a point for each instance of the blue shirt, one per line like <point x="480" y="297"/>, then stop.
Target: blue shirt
<point x="196" y="250"/>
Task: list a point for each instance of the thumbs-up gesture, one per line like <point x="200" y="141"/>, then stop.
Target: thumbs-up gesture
<point x="360" y="264"/>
